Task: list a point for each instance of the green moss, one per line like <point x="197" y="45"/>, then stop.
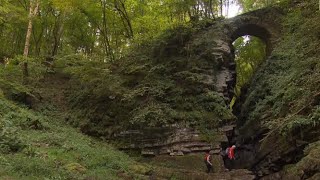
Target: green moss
<point x="160" y="85"/>
<point x="287" y="83"/>
<point x="284" y="94"/>
<point x="308" y="165"/>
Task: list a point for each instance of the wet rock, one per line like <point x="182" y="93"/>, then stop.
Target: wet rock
<point x="186" y="150"/>
<point x="180" y="153"/>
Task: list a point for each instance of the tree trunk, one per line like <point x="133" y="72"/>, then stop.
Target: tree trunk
<point x="227" y="3"/>
<point x="57" y="34"/>
<point x="211" y="9"/>
<point x="221" y="8"/>
<point x="121" y="8"/>
<point x="106" y="41"/>
<point x="33" y="10"/>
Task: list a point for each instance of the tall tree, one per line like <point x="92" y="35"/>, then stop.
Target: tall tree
<point x="103" y="27"/>
<point x="33" y="10"/>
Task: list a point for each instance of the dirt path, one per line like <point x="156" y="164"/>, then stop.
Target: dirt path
<point x="192" y="167"/>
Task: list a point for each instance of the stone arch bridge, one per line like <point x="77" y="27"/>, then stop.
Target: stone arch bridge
<point x="213" y="43"/>
<point x="264" y="24"/>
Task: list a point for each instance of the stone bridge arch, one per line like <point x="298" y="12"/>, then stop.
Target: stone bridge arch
<point x="264" y="24"/>
<point x="213" y="53"/>
<point x="253" y="30"/>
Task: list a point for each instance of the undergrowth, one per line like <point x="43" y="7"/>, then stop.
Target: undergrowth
<point x="38" y="145"/>
<point x="161" y="85"/>
<point x="284" y="95"/>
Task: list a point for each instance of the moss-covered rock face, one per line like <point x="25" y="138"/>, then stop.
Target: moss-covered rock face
<point x="281" y="109"/>
<point x="183" y="79"/>
<point x="144" y="98"/>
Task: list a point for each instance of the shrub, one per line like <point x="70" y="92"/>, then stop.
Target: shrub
<point x="9" y="141"/>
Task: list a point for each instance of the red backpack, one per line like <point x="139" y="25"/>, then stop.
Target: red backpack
<point x="206" y="156"/>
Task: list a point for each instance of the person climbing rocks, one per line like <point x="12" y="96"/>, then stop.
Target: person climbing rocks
<point x="207" y="160"/>
<point x="231" y="152"/>
<point x="224" y="155"/>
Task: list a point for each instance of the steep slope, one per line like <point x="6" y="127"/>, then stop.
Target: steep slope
<point x="37" y="143"/>
<point x="280" y="117"/>
<point x="161" y="98"/>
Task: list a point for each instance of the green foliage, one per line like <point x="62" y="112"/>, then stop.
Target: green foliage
<point x="156" y="86"/>
<point x="249" y="5"/>
<point x="250" y="53"/>
<point x="14" y="91"/>
<point x="12" y="119"/>
<point x="12" y="75"/>
<point x="210" y="136"/>
<point x="38" y="146"/>
<point x="9" y="141"/>
<point x="107" y="28"/>
<point x="284" y="94"/>
<point x="154" y="115"/>
<point x="59" y="152"/>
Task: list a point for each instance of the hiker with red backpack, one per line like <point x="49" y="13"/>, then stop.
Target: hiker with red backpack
<point x="207" y="160"/>
<point x="230" y="152"/>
